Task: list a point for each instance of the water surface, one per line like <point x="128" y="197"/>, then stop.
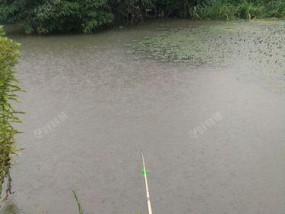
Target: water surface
<point x="93" y="103"/>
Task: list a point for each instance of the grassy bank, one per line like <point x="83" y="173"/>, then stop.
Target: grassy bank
<point x="8" y="87"/>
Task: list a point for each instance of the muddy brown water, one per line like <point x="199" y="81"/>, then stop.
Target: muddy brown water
<point x="212" y="143"/>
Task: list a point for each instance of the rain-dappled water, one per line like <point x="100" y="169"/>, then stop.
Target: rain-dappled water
<point x="204" y="101"/>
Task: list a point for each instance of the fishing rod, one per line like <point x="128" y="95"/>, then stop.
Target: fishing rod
<point x="145" y="173"/>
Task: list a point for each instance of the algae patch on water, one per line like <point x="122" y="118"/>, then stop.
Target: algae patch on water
<point x="196" y="44"/>
<point x="252" y="47"/>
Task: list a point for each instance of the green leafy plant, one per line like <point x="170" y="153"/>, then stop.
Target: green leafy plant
<point x="8" y="88"/>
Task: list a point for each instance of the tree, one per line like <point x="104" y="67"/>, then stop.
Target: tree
<point x="56" y="16"/>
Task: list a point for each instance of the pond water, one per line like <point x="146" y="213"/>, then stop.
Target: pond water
<point x="204" y="101"/>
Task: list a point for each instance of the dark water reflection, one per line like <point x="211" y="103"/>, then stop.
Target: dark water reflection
<point x="91" y="107"/>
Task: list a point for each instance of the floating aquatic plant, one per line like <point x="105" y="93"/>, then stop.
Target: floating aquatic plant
<point x="257" y="44"/>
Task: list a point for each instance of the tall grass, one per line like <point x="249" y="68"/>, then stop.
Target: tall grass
<point x="8" y="87"/>
<point x="244" y="9"/>
<point x="276" y="9"/>
<point x="80" y="208"/>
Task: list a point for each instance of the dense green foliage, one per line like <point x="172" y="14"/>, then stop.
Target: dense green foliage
<point x="8" y="58"/>
<point x="54" y="16"/>
<point x="46" y="16"/>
